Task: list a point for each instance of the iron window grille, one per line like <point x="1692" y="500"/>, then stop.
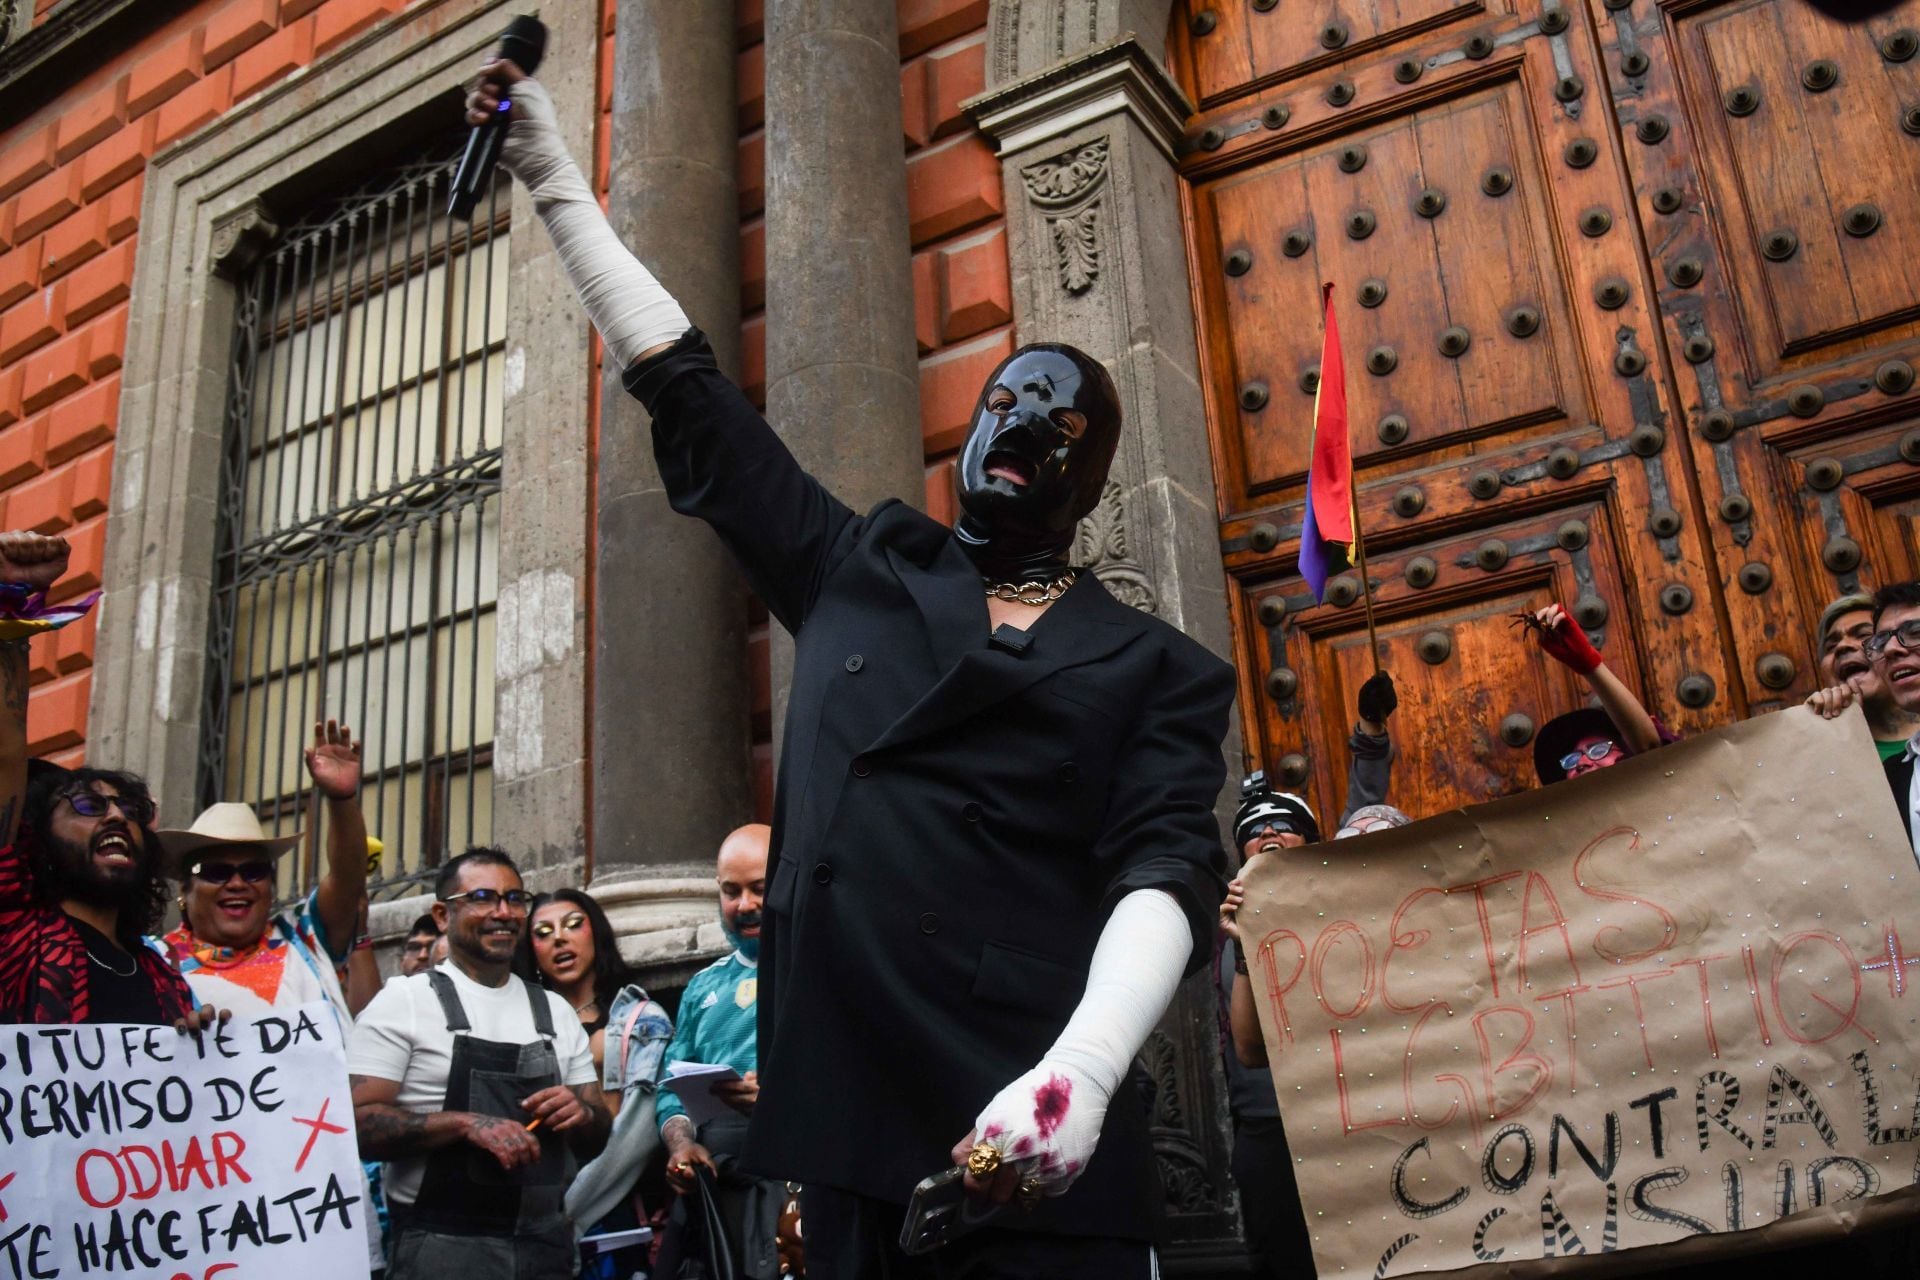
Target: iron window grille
<point x="358" y="522"/>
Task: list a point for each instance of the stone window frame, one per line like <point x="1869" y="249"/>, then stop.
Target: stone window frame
<point x="200" y="217"/>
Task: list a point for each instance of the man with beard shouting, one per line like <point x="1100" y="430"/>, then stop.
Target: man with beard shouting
<point x="80" y="881"/>
<point x="994" y="846"/>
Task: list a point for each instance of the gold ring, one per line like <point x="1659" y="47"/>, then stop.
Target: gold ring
<point x="983" y="1160"/>
<point x="1028" y="1192"/>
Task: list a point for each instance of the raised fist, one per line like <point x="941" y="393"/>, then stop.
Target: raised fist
<point x="32" y="560"/>
<point x="1377" y="699"/>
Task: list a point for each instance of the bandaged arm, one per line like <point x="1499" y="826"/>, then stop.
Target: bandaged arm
<point x="1048" y="1121"/>
<point x="633" y="312"/>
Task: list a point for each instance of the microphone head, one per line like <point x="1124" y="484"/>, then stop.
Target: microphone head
<point x="524" y="43"/>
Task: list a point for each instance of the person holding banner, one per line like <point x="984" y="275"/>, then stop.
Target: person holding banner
<point x="994" y="846"/>
<point x="80" y="885"/>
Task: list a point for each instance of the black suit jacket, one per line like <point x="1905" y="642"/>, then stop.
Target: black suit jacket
<point x="1900" y="777"/>
<point x="952" y="821"/>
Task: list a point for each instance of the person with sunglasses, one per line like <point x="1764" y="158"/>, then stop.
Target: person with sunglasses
<point x="477" y="1088"/>
<point x="1589" y="738"/>
<point x="80" y="885"/>
<point x="234" y="949"/>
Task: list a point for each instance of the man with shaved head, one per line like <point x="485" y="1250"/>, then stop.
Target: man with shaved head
<point x="719" y="1025"/>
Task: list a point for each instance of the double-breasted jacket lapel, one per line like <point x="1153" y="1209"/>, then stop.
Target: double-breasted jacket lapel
<point x="1084" y="625"/>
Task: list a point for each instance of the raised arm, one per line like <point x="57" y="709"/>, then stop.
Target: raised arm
<point x="333" y="762"/>
<point x="1369" y="750"/>
<point x="1561" y="637"/>
<point x="719" y="460"/>
<point x="35" y="562"/>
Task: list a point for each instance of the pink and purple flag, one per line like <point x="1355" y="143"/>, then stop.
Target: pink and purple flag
<point x="1328" y="533"/>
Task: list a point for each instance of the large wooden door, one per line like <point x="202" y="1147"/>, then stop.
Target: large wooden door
<point x="1629" y="295"/>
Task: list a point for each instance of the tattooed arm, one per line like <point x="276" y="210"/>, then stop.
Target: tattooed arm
<point x="389" y="1131"/>
<point x="37" y="562"/>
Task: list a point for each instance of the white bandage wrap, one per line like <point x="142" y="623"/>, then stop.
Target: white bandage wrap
<point x="631" y="309"/>
<point x="1048" y="1121"/>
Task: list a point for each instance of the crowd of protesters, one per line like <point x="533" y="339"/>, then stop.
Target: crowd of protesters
<point x="514" y="1084"/>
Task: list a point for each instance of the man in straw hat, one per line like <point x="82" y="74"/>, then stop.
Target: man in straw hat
<point x="235" y="951"/>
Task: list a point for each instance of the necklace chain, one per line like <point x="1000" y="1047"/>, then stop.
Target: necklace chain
<point x="109" y="968"/>
<point x="1032" y="593"/>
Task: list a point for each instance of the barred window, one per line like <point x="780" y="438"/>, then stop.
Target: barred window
<point x="359" y="519"/>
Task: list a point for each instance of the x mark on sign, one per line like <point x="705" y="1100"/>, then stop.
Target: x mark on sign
<point x="1895" y="964"/>
<point x="317" y="1125"/>
<point x="3" y="1186"/>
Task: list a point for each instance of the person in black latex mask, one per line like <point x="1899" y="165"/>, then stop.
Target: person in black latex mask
<point x="1036" y="461"/>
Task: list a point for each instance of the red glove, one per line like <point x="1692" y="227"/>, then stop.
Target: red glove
<point x="1568" y="644"/>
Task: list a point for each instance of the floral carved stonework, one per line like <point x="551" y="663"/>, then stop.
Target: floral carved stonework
<point x="1101" y="544"/>
<point x="1067" y="187"/>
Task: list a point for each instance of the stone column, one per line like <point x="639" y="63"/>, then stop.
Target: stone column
<point x="670" y="717"/>
<point x="843" y="376"/>
<point x="1085" y="119"/>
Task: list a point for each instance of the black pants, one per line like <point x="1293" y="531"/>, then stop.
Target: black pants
<point x="850" y="1237"/>
<point x="1270" y="1200"/>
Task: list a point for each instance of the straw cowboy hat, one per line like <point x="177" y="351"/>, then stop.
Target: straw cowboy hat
<point x="222" y="828"/>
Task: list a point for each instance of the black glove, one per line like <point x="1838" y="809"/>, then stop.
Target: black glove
<point x="1377" y="698"/>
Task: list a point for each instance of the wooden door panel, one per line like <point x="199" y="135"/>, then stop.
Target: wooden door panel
<point x="1858" y="495"/>
<point x="1350" y="211"/>
<point x="1459" y="658"/>
<point x="1789" y="159"/>
<point x="1236" y="43"/>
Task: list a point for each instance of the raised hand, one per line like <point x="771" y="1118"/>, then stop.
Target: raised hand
<point x="496" y="78"/>
<point x="333" y="761"/>
<point x="32" y="560"/>
<point x="1378" y="699"/>
<point x="1564" y="641"/>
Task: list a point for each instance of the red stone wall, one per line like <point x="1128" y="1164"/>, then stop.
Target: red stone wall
<point x="70" y="184"/>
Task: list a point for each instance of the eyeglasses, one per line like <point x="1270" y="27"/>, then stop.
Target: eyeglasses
<point x="1598" y="751"/>
<point x="1907" y="633"/>
<point x="518" y="899"/>
<point x="91" y="804"/>
<point x="221" y="872"/>
<point x="571" y="921"/>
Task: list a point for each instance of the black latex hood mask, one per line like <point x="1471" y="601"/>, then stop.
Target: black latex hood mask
<point x="1036" y="460"/>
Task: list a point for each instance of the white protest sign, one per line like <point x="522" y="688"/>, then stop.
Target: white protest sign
<point x="135" y="1150"/>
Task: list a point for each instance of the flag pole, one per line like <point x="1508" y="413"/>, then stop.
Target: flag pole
<point x="1366" y="587"/>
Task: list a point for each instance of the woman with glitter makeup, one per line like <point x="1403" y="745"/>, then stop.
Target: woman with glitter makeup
<point x="994" y="849"/>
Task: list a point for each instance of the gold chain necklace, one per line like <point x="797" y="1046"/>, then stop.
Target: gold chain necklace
<point x="1032" y="593"/>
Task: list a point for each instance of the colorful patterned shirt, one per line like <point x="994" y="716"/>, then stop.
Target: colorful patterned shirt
<point x="291" y="965"/>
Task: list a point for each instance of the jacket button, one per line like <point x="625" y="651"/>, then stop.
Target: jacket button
<point x="971" y="811"/>
<point x="855" y="662"/>
<point x="861" y="767"/>
<point x="929" y="924"/>
<point x="822" y="873"/>
<point x="1069" y="772"/>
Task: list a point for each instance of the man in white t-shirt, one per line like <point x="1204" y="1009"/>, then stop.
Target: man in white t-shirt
<point x="478" y="1090"/>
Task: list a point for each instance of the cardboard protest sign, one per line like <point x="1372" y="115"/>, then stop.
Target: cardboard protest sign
<point x="137" y="1150"/>
<point x="1673" y="999"/>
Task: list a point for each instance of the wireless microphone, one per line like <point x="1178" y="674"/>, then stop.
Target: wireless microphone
<point x="523" y="43"/>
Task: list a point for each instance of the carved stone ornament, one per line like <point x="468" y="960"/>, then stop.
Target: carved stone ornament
<point x="1067" y="186"/>
<point x="1064" y="179"/>
<point x="1101" y="544"/>
<point x="1076" y="245"/>
<point x="1184" y="1178"/>
<point x="240" y="239"/>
